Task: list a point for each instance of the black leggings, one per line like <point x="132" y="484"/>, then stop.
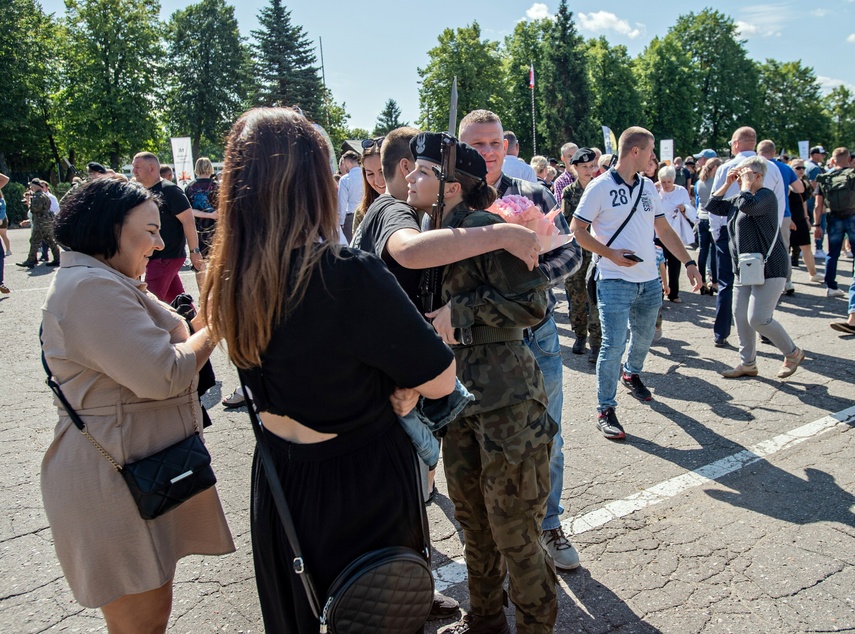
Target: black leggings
<point x="674" y="265"/>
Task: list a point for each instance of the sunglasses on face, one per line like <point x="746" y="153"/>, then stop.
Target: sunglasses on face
<point x="799" y="168"/>
<point x="370" y="143"/>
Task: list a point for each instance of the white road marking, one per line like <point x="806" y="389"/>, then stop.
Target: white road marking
<point x="454" y="572"/>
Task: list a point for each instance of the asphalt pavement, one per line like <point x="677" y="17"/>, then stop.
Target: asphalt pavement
<point x="730" y="507"/>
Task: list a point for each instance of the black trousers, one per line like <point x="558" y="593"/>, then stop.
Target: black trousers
<point x="349" y="495"/>
<point x="674" y="268"/>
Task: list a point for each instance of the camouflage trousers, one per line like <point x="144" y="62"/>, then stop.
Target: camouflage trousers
<point x="584" y="319"/>
<point x="42" y="230"/>
<point x="500" y="504"/>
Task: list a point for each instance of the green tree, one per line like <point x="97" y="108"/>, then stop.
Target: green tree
<point x="667" y="94"/>
<point x="792" y="105"/>
<point x="478" y="68"/>
<point x="389" y="119"/>
<point x="840" y="108"/>
<point x="725" y="79"/>
<point x="522" y="49"/>
<point x="565" y="80"/>
<point x="337" y="129"/>
<point x="30" y="43"/>
<point x="206" y="88"/>
<point x="615" y="99"/>
<point x="285" y="64"/>
<point x="112" y="59"/>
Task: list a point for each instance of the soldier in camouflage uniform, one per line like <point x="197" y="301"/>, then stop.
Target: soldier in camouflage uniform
<point x="42" y="227"/>
<point x="496" y="455"/>
<point x="584" y="318"/>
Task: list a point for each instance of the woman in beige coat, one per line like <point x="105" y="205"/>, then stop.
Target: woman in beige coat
<point x="128" y="365"/>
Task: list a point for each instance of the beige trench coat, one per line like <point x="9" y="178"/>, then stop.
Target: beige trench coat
<point x="118" y="354"/>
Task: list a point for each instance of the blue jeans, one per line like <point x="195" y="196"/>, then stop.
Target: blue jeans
<point x="837" y="228"/>
<point x="706" y="250"/>
<point x="543" y="342"/>
<point x="724" y="299"/>
<point x="431" y="415"/>
<point x="623" y="303"/>
<point x="852" y="295"/>
<point x="822" y="222"/>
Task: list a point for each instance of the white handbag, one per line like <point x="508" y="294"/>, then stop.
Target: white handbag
<point x="752" y="266"/>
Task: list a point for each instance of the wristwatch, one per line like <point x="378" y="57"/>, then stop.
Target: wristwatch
<point x="689" y="263"/>
<point x="196" y="250"/>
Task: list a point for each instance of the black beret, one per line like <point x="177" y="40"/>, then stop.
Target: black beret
<point x="583" y="155"/>
<point x="428" y="146"/>
<point x="96" y="167"/>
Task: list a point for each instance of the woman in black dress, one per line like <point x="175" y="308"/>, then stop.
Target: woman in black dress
<point x="324" y="336"/>
<point x="801" y="237"/>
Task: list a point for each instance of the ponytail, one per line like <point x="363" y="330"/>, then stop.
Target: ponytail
<point x="477" y="194"/>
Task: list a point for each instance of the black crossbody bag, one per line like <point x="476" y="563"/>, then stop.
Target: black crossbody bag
<point x="591" y="274"/>
<point x="385" y="591"/>
<point x="159" y="482"/>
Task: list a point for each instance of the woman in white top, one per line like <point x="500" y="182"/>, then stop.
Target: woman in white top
<point x="680" y="215"/>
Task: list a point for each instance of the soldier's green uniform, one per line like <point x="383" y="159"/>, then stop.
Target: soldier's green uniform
<point x="496" y="455"/>
<point x="42" y="227"/>
<point x="584" y="319"/>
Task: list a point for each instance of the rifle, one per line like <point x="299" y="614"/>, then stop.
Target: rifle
<point x="445" y="173"/>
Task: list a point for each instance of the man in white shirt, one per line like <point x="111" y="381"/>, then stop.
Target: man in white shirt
<point x="349" y="192"/>
<point x="54" y="203"/>
<point x="513" y="165"/>
<point x="742" y="145"/>
<point x="629" y="292"/>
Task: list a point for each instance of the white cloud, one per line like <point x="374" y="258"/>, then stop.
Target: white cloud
<point x="602" y="21"/>
<point x="764" y="20"/>
<point x="537" y="11"/>
<point x="819" y="13"/>
<point x="827" y="84"/>
<point x="851" y="39"/>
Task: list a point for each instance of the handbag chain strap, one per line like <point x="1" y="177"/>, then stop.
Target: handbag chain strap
<point x="75" y="417"/>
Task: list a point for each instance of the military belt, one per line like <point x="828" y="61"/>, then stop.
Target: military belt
<point x="481" y="335"/>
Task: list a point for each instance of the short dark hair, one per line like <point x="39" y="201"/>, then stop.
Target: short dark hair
<point x="396" y="146"/>
<point x="165" y="169"/>
<point x="91" y="216"/>
<point x="350" y="155"/>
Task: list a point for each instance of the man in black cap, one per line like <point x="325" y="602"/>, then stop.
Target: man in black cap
<point x="482" y="130"/>
<point x="813" y="168"/>
<point x="96" y="170"/>
<point x="584" y="318"/>
<point x="502" y="438"/>
<point x="42" y="227"/>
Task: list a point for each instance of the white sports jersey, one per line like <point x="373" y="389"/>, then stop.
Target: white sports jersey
<point x="605" y="205"/>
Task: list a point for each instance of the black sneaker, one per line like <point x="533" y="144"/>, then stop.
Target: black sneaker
<point x="636" y="388"/>
<point x="609" y="426"/>
<point x="579" y="344"/>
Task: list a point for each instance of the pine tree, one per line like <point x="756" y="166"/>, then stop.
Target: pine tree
<point x="565" y="77"/>
<point x="389" y="119"/>
<point x="285" y="70"/>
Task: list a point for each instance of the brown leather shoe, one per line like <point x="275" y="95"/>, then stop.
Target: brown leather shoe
<point x="475" y="624"/>
<point x="443" y="607"/>
<point x="743" y="369"/>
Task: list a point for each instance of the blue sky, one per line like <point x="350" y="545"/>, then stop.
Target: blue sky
<point x="373" y="48"/>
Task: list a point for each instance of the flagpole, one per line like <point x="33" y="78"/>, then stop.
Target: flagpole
<point x="533" y="126"/>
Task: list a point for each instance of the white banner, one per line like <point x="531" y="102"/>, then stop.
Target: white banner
<point x="609" y="140"/>
<point x="666" y="151"/>
<point x="182" y="158"/>
<point x="804" y="146"/>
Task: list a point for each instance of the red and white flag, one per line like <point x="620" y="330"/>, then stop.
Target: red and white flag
<point x="531" y="76"/>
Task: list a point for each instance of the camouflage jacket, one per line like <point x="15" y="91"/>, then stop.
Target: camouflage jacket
<point x="495" y="290"/>
<point x="570" y="198"/>
<point x="39" y="204"/>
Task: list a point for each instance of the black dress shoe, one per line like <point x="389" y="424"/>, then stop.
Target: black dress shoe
<point x="579" y="344"/>
<point x="27" y="264"/>
<point x="52" y="263"/>
<point x="720" y="342"/>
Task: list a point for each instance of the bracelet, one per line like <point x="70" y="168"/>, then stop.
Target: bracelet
<point x="817" y="225"/>
<point x="689" y="263"/>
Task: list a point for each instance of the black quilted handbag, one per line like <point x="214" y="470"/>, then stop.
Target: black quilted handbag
<point x="161" y="481"/>
<point x="385" y="591"/>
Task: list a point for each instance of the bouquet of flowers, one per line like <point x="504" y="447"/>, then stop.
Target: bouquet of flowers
<point x="520" y="210"/>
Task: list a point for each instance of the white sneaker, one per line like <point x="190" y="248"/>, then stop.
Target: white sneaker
<point x="834" y="292"/>
<point x="820" y="254"/>
<point x="817" y="278"/>
<point x="560" y="549"/>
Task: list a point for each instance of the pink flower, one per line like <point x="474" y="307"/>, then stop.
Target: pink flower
<point x="520" y="210"/>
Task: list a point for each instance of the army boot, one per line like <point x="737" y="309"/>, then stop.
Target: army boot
<point x="476" y="624"/>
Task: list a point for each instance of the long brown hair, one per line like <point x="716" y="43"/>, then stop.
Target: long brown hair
<point x="369" y="194"/>
<point x="277" y="196"/>
<point x="708" y="168"/>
